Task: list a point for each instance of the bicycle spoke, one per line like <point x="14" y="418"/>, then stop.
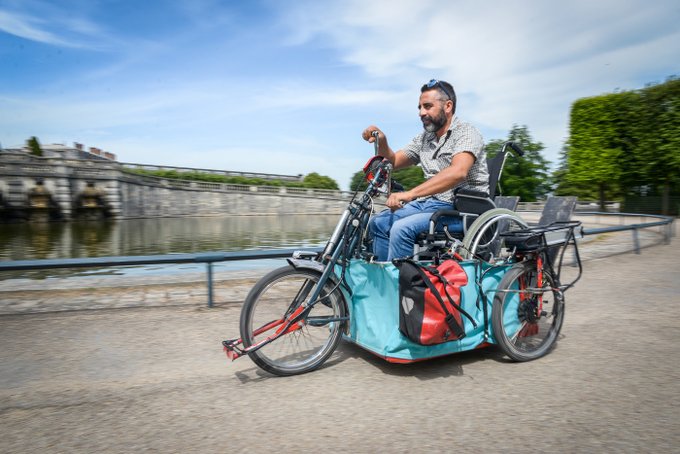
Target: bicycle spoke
<point x="300" y="346"/>
<point x="527" y="315"/>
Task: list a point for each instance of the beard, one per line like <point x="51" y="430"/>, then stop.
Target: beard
<point x="432" y="124"/>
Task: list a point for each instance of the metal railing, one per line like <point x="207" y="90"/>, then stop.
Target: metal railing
<point x="581" y="206"/>
<point x="663" y="221"/>
<point x="209" y="258"/>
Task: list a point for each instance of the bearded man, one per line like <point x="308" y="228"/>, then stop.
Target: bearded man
<point x="451" y="154"/>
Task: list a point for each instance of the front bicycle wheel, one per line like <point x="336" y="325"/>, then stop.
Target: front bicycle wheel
<point x="304" y="345"/>
<point x="527" y="315"/>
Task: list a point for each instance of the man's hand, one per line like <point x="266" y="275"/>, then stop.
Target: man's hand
<point x="398" y="199"/>
<point x="367" y="135"/>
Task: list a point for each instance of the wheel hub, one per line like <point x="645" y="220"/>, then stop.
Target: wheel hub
<point x="528" y="310"/>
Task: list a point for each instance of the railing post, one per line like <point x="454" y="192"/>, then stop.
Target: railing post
<point x="636" y="241"/>
<point x="669" y="232"/>
<point x="210" y="283"/>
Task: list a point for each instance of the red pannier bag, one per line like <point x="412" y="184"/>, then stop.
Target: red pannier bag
<point x="429" y="302"/>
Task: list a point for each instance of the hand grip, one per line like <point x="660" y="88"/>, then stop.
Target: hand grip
<point x="517" y="148"/>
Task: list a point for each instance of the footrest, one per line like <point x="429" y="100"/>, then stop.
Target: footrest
<point x="232" y="349"/>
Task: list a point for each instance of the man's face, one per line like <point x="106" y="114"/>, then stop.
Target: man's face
<point x="432" y="110"/>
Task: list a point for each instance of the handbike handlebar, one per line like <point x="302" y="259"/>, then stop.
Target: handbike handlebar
<point x="376" y="145"/>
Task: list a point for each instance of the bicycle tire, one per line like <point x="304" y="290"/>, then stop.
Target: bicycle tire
<point x="522" y="333"/>
<point x="494" y="215"/>
<point x="304" y="349"/>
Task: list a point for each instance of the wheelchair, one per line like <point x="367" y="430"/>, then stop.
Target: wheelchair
<point x="484" y="217"/>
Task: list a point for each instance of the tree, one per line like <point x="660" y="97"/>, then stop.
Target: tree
<point x="409" y="177"/>
<point x="597" y="144"/>
<point x="316" y="181"/>
<point x="624" y="144"/>
<point x="563" y="187"/>
<point x="358" y="182"/>
<point x="526" y="177"/>
<point x="34" y="146"/>
<point x="658" y="144"/>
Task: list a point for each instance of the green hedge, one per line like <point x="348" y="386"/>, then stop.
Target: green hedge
<point x="312" y="181"/>
<point x="624" y="144"/>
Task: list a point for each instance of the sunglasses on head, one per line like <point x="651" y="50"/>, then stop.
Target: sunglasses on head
<point x="434" y="83"/>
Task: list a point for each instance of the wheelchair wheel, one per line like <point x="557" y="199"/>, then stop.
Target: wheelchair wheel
<point x="482" y="237"/>
<point x="311" y="341"/>
<point x="527" y="316"/>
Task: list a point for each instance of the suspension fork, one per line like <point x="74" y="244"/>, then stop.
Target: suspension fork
<point x="332" y="244"/>
<point x="301" y="308"/>
<point x="334" y="248"/>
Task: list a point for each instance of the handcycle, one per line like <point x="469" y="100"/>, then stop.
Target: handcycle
<point x="294" y="317"/>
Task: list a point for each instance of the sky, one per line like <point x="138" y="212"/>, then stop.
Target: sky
<point x="286" y="87"/>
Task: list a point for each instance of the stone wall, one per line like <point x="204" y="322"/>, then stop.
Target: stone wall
<point x="129" y="196"/>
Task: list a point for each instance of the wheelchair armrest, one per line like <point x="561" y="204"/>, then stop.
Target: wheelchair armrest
<point x="461" y="192"/>
<point x="439" y="214"/>
<point x="475" y="202"/>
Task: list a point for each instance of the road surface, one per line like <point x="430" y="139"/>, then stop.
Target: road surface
<point x="156" y="379"/>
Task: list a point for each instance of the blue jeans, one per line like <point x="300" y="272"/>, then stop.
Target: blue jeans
<point x="394" y="232"/>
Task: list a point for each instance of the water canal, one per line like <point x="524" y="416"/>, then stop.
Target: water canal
<point x="54" y="240"/>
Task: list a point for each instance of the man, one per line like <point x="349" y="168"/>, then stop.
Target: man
<point x="452" y="156"/>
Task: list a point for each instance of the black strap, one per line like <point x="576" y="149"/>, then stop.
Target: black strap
<point x="450" y="319"/>
<point x="482" y="295"/>
<point x="446" y="283"/>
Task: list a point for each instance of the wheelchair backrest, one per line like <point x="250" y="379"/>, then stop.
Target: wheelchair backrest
<point x="557" y="209"/>
<point x="495" y="168"/>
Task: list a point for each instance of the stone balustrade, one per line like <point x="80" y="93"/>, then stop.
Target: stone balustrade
<point x="129" y="195"/>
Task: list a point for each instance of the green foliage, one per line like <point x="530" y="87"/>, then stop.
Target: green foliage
<point x="564" y="187"/>
<point x="313" y="180"/>
<point x="526" y="177"/>
<point x="409" y="177"/>
<point x="34" y="146"/>
<point x="624" y="143"/>
<point x="597" y="144"/>
<point x="658" y="136"/>
<point x="358" y="182"/>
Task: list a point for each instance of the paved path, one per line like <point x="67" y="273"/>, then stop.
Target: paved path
<point x="155" y="379"/>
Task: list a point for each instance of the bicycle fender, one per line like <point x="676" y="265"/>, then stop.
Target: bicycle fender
<point x="306" y="263"/>
<point x="312" y="265"/>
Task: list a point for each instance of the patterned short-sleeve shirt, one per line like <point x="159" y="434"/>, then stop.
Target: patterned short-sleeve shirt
<point x="434" y="155"/>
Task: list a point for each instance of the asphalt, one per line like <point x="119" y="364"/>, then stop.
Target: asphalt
<point x="134" y="377"/>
